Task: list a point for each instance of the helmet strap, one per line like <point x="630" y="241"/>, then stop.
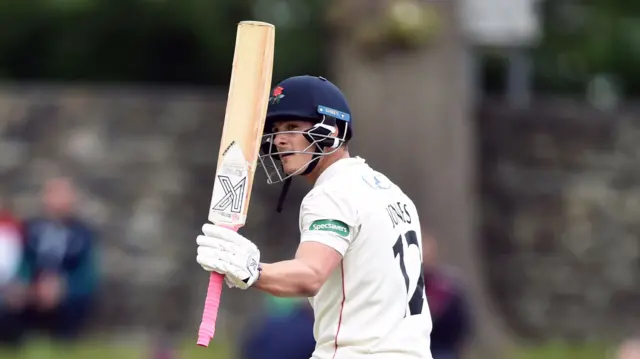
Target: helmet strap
<point x="283" y="194"/>
<point x="287" y="183"/>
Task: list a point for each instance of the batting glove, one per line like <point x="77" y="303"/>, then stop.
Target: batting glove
<point x="224" y="251"/>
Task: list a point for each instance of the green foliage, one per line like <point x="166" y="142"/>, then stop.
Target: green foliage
<point x="169" y="41"/>
<point x="192" y="41"/>
<point x="586" y="38"/>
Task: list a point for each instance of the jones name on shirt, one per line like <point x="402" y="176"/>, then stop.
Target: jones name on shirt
<point x="398" y="213"/>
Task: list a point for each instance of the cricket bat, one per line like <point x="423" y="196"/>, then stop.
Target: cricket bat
<point x="239" y="146"/>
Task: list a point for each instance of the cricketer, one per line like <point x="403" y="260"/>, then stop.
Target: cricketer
<point x="359" y="260"/>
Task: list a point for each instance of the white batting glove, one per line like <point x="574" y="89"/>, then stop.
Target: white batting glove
<point x="224" y="251"/>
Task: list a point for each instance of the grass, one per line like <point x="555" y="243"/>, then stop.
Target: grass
<point x="565" y="351"/>
<point x="42" y="349"/>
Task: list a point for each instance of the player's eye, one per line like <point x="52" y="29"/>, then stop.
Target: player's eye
<point x="292" y="127"/>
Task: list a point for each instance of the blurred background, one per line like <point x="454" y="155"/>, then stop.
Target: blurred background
<point x="513" y="124"/>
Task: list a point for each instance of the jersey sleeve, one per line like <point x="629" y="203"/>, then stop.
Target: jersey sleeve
<point x="329" y="218"/>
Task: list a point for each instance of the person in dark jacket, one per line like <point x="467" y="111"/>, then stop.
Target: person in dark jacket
<point x="58" y="270"/>
<point x="286" y="331"/>
<point x="448" y="305"/>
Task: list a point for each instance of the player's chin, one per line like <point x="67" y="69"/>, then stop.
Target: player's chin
<point x="295" y="163"/>
<point x="294" y="167"/>
<point x="290" y="169"/>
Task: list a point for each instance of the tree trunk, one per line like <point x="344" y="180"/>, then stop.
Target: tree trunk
<point x="413" y="121"/>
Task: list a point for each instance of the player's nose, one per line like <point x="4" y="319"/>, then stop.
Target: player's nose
<point x="280" y="140"/>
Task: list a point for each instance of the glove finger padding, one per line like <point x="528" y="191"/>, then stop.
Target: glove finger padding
<point x="222" y="247"/>
<point x="233" y="282"/>
<point x="213" y="243"/>
<point x="212" y="264"/>
<point x="226" y="234"/>
<point x="210" y="253"/>
<point x="229" y="283"/>
<point x="234" y="261"/>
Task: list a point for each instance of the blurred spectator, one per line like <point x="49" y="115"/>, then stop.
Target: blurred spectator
<point x="10" y="247"/>
<point x="448" y="305"/>
<point x="11" y="295"/>
<point x="286" y="331"/>
<point x="630" y="349"/>
<point x="58" y="270"/>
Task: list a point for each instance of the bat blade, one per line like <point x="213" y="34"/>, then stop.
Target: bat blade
<point x="244" y="122"/>
<point x="239" y="146"/>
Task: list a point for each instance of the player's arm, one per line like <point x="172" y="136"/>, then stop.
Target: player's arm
<point x="327" y="222"/>
<point x="327" y="225"/>
<point x="301" y="276"/>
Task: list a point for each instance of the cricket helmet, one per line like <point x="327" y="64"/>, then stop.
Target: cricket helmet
<point x="305" y="98"/>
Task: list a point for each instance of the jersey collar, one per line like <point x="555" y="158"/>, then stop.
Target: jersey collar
<point x="337" y="167"/>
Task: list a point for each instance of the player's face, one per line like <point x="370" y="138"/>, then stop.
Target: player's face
<point x="288" y="138"/>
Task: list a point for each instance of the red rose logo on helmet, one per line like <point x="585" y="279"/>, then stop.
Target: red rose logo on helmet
<point x="276" y="95"/>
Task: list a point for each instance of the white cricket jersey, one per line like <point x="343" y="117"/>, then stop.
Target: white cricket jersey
<point x="373" y="306"/>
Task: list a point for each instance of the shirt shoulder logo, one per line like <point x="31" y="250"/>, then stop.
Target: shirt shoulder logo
<point x="330" y="225"/>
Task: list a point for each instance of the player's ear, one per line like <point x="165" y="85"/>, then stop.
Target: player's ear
<point x="336" y="131"/>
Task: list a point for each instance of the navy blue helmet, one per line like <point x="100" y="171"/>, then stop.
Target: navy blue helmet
<point x="307" y="98"/>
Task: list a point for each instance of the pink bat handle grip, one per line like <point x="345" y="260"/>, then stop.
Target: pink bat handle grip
<point x="211" y="305"/>
<point x="210" y="313"/>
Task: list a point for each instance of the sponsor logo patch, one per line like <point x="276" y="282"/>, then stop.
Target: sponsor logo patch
<point x="330" y="225"/>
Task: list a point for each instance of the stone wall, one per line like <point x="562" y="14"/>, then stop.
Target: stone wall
<point x="144" y="160"/>
<point x="561" y="202"/>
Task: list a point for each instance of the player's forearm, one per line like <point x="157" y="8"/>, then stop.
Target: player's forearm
<point x="291" y="278"/>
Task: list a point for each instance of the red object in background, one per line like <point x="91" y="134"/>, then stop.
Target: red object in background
<point x="11" y="242"/>
<point x="10" y="222"/>
<point x="10" y="226"/>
